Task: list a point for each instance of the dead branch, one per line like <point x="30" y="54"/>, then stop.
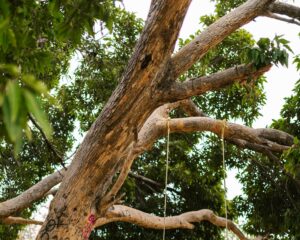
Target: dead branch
<point x="120" y="213"/>
<point x="20" y="220"/>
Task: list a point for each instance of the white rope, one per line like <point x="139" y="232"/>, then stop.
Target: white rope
<point x="224" y="179"/>
<point x="166" y="177"/>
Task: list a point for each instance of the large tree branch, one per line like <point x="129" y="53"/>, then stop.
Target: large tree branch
<point x="103" y="149"/>
<point x="285" y="9"/>
<point x="231" y="131"/>
<point x="215" y="33"/>
<point x="284" y="19"/>
<point x="31" y="195"/>
<point x="216" y="81"/>
<point x="120" y="213"/>
<point x="20" y="220"/>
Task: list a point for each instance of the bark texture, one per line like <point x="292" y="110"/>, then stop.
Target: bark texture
<point x="285" y="9"/>
<point x="113" y="135"/>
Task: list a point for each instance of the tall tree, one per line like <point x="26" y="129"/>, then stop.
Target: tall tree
<point x="155" y="82"/>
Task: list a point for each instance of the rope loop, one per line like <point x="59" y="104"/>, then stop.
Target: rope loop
<point x="166" y="176"/>
<point x="224" y="176"/>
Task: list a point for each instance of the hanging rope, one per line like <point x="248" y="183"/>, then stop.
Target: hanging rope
<point x="166" y="177"/>
<point x="224" y="178"/>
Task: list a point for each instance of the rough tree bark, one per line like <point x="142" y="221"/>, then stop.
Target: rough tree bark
<point x="136" y="115"/>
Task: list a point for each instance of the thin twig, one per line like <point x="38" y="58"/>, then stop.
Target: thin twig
<point x="49" y="144"/>
<point x="277" y="17"/>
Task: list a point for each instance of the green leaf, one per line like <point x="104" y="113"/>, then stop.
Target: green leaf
<point x="13" y="129"/>
<point x="4" y="8"/>
<point x="35" y="85"/>
<point x="13" y="92"/>
<point x="28" y="132"/>
<point x="4" y="23"/>
<point x="1" y="99"/>
<point x="33" y="106"/>
<point x="12" y="37"/>
<point x="12" y="69"/>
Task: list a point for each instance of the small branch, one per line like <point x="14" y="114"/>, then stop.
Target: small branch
<point x="277" y="17"/>
<point x="52" y="192"/>
<point x="213" y="82"/>
<point x="31" y="195"/>
<point x="20" y="220"/>
<point x="215" y="33"/>
<point x="191" y="109"/>
<point x="120" y="213"/>
<point x="49" y="144"/>
<point x="285" y="9"/>
<point x="151" y="182"/>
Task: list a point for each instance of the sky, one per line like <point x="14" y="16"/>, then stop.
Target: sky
<point x="280" y="80"/>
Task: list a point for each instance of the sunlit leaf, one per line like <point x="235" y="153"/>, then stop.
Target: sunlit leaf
<point x="34" y="107"/>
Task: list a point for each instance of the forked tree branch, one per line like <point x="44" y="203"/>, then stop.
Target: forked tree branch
<point x="285" y="9"/>
<point x="20" y="220"/>
<point x="284" y="19"/>
<point x="120" y="213"/>
<point x="215" y="33"/>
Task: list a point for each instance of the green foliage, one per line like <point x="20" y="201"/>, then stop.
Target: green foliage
<point x="71" y="19"/>
<point x="103" y="61"/>
<point x="271" y="200"/>
<point x="267" y="52"/>
<point x="225" y="6"/>
<point x="240" y="101"/>
<point x="34" y="54"/>
<point x="37" y="39"/>
<point x="292" y="161"/>
<point x="14" y="113"/>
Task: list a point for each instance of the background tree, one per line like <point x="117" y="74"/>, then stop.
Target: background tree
<point x="103" y="61"/>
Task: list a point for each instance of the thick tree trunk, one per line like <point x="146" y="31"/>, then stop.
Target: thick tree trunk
<point x="114" y="133"/>
<point x="112" y="141"/>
